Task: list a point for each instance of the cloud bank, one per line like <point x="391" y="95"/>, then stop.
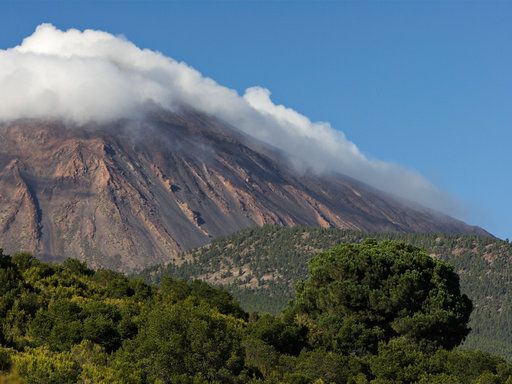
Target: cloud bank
<point x="96" y="76"/>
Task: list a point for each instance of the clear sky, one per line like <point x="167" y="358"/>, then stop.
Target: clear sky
<point x="427" y="85"/>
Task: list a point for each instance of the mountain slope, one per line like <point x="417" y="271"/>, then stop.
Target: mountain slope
<point x="260" y="266"/>
<point x="134" y="193"/>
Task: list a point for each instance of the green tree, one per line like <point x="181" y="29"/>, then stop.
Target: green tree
<point x="285" y="338"/>
<point x="5" y="360"/>
<point x="179" y="290"/>
<point x="59" y="326"/>
<point x="100" y="325"/>
<point x="359" y="295"/>
<point x="181" y="341"/>
<point x="40" y="365"/>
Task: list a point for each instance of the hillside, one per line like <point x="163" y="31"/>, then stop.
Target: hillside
<point x="261" y="265"/>
<point x="132" y="193"/>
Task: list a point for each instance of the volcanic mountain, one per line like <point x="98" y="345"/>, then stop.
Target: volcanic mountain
<point x="137" y="193"/>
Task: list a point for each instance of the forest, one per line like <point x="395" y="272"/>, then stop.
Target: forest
<point x="365" y="313"/>
<point x="261" y="265"/>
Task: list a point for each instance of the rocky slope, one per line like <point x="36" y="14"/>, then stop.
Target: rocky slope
<point x="136" y="193"/>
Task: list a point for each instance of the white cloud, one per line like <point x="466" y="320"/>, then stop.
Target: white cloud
<point x="93" y="75"/>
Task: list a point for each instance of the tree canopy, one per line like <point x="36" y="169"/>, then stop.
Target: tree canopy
<point x="360" y="294"/>
<point x="354" y="321"/>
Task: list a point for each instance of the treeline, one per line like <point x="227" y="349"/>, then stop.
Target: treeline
<point x="261" y="265"/>
<point x="371" y="313"/>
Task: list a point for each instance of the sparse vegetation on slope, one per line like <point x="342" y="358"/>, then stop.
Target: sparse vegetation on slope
<point x="261" y="265"/>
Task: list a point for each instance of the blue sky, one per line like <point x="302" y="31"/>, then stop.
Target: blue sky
<point x="427" y="85"/>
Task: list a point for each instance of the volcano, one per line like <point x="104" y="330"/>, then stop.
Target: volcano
<point x="135" y="193"/>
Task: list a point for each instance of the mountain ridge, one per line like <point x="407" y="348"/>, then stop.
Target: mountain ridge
<point x="136" y="192"/>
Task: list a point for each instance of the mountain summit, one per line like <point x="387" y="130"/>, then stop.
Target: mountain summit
<point x="137" y="192"/>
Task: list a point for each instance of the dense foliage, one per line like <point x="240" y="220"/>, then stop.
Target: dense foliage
<point x="69" y="324"/>
<point x="260" y="266"/>
<point x="364" y="294"/>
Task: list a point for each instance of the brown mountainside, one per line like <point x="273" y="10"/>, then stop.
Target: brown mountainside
<point x="135" y="194"/>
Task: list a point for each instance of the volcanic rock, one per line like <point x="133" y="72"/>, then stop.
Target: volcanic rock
<point x="136" y="193"/>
